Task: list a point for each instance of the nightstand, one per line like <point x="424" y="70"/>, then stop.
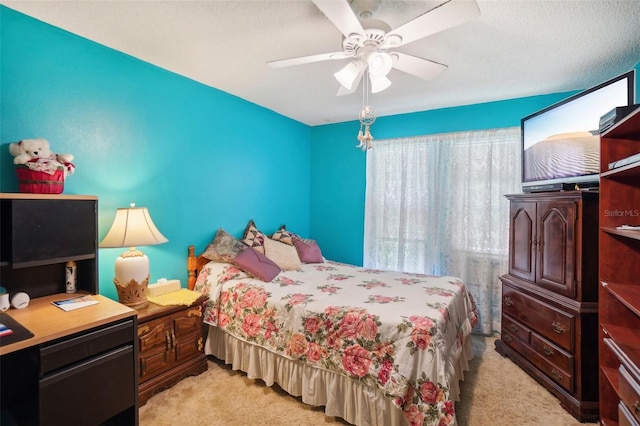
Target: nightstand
<point x="171" y="342"/>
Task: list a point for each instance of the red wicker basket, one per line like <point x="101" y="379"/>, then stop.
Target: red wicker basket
<point x="36" y="182"/>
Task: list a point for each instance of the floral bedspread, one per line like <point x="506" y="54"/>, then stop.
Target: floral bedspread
<point x="399" y="332"/>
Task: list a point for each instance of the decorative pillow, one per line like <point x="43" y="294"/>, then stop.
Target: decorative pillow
<point x="256" y="264"/>
<point x="223" y="247"/>
<point x="253" y="237"/>
<point x="308" y="250"/>
<point x="284" y="255"/>
<point x="283" y="235"/>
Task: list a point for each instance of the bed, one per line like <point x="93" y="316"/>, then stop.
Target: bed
<point x="373" y="347"/>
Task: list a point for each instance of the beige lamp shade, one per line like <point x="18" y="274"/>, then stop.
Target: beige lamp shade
<point x="132" y="227"/>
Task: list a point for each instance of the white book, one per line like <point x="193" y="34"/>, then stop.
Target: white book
<point x="75" y="302"/>
<point x="632" y="227"/>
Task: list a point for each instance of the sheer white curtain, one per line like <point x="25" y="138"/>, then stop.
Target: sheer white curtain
<point x="435" y="204"/>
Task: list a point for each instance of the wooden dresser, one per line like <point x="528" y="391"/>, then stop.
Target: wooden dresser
<point x="550" y="295"/>
<point x="619" y="329"/>
<point x="171" y="345"/>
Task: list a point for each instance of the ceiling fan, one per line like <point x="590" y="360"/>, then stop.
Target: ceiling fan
<point x="371" y="42"/>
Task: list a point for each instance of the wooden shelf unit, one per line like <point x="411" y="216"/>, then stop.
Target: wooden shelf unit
<point x="619" y="269"/>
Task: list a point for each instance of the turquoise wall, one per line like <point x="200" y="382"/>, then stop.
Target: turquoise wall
<point x="197" y="157"/>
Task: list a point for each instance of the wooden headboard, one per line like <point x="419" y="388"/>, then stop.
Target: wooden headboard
<point x="194" y="265"/>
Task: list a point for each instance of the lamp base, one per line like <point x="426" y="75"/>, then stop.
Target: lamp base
<point x="132" y="294"/>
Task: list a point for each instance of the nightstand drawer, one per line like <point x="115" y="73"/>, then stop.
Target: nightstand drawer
<point x="154" y="334"/>
<point x="69" y="351"/>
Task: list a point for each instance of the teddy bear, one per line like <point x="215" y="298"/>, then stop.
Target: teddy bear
<point x="36" y="153"/>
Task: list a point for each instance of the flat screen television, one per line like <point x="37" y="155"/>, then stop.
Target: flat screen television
<point x="561" y="143"/>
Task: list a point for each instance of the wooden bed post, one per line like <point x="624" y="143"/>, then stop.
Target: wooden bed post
<point x="192" y="264"/>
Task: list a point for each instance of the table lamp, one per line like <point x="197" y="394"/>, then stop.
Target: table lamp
<point x="132" y="227"/>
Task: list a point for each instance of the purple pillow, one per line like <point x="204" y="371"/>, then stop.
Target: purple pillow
<point x="308" y="250"/>
<point x="256" y="264"/>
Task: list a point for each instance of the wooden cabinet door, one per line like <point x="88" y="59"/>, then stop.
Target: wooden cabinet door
<point x="187" y="327"/>
<point x="154" y="339"/>
<point x="555" y="247"/>
<point x="521" y="240"/>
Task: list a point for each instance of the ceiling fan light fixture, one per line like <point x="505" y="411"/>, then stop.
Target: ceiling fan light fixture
<point x="380" y="64"/>
<point x="349" y="74"/>
<point x="379" y="83"/>
<point x="392" y="40"/>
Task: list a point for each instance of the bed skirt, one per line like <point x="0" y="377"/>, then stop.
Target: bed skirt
<point x="341" y="396"/>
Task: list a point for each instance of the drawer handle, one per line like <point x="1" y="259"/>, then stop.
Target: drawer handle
<point x="514" y="327"/>
<point x="508" y="301"/>
<point x="143" y="330"/>
<point x="508" y="338"/>
<point x="556" y="374"/>
<point x="195" y="312"/>
<point x="168" y="341"/>
<point x="547" y="350"/>
<point x="200" y="344"/>
<point x="636" y="408"/>
<point x="557" y="327"/>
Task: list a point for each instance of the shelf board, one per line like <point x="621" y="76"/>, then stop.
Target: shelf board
<point x="629" y="356"/>
<point x="623" y="335"/>
<point x="628" y="233"/>
<point x="627" y="294"/>
<point x="629" y="170"/>
<point x="612" y="376"/>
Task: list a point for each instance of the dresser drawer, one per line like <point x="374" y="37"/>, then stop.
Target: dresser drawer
<point x="558" y="375"/>
<point x="516" y="329"/>
<point x="552" y="323"/>
<point x="72" y="350"/>
<point x="552" y="353"/>
<point x="629" y="392"/>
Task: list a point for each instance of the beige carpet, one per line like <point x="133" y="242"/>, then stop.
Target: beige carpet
<point x="495" y="392"/>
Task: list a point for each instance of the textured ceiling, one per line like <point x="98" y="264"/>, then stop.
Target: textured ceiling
<point x="515" y="48"/>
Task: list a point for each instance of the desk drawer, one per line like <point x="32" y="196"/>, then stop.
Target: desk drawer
<point x="69" y="351"/>
<point x="90" y="392"/>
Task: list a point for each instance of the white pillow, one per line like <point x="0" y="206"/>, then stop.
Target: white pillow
<point x="283" y="255"/>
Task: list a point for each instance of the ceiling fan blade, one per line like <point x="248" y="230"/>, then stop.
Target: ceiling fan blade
<point x="422" y="68"/>
<point x="308" y="59"/>
<point x="341" y="15"/>
<point x="447" y="15"/>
